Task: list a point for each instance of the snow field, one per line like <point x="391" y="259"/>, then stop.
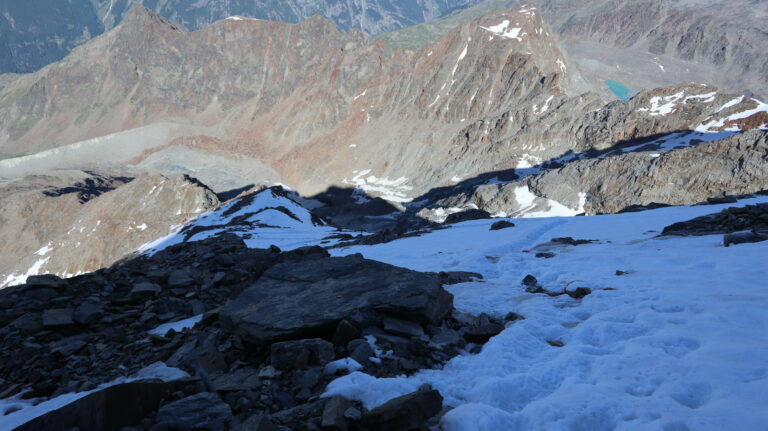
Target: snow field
<point x="678" y="343"/>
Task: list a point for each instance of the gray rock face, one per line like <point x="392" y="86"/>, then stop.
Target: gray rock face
<point x="324" y="291"/>
<point x="72" y="222"/>
<point x="733" y="165"/>
<point x="204" y="410"/>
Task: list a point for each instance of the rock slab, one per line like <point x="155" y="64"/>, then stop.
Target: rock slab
<point x="301" y="299"/>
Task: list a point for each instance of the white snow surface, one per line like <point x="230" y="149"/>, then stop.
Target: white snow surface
<point x="26" y="410"/>
<point x="177" y="326"/>
<point x="678" y="343"/>
<point x="504" y="30"/>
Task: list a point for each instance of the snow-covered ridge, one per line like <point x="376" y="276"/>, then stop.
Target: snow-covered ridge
<point x="269" y="217"/>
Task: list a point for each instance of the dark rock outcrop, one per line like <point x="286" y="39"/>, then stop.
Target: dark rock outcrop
<point x="350" y="287"/>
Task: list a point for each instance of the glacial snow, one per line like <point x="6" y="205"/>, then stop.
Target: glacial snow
<point x="678" y="343"/>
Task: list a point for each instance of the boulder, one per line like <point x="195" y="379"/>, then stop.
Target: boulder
<point x="502" y="224"/>
<point x="110" y="408"/>
<point x="407" y="412"/>
<point x="296" y="299"/>
<point x="204" y="410"/>
<point x="743" y="238"/>
<point x="471" y="214"/>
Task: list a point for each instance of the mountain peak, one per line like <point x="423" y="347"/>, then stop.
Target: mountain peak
<point x="141" y="17"/>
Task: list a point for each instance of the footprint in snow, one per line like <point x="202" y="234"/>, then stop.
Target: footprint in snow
<point x="692" y="395"/>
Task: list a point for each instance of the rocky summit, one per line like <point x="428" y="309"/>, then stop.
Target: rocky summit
<point x="450" y="215"/>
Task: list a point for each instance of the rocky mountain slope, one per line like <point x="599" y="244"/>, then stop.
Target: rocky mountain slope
<point x="72" y="222"/>
<point x="34" y="35"/>
<point x="347" y="119"/>
<point x="626" y="46"/>
<point x="493" y="94"/>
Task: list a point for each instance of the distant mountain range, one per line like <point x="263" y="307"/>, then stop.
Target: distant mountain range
<point x="34" y="34"/>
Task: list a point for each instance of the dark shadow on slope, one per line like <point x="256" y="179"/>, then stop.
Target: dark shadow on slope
<point x="233" y="193"/>
<point x="90" y="188"/>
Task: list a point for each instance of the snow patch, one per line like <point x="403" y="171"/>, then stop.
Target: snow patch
<point x="504" y="30"/>
<point x="387" y="189"/>
<point x="177" y="326"/>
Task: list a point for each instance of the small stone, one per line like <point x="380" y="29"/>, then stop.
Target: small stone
<point x="179" y="278"/>
<point x="259" y="422"/>
<point x="269" y="372"/>
<point x="512" y="316"/>
<point x="619" y="272"/>
<point x="556" y="343"/>
<point x="144" y="290"/>
<point x="68" y="346"/>
<point x="345" y="332"/>
<point x="532" y="284"/>
<point x="203" y="410"/>
<point x="545" y="255"/>
<point x="301" y="353"/>
<point x="240" y="380"/>
<point x="353" y="414"/>
<point x="578" y="292"/>
<point x="87" y="313"/>
<point x="483" y="329"/>
<point x="402" y="327"/>
<point x="57" y="317"/>
<point x="360" y="351"/>
<point x="333" y="414"/>
<point x="502" y="224"/>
